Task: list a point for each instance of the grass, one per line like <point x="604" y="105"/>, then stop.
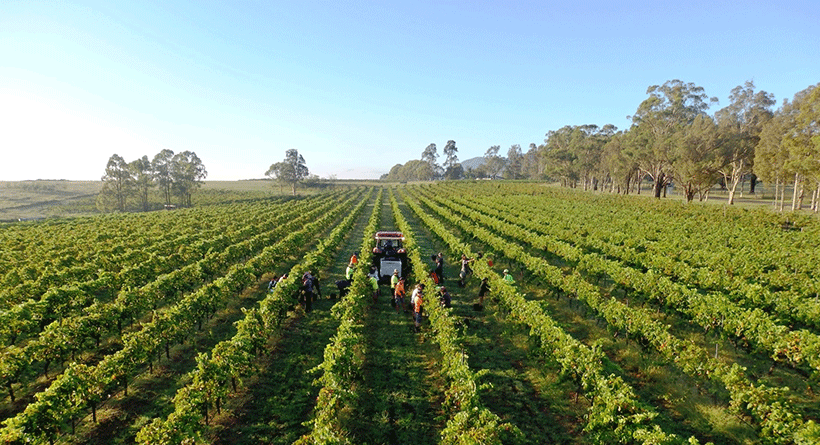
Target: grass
<point x="31" y="200"/>
<point x="401" y="400"/>
<point x="44" y="198"/>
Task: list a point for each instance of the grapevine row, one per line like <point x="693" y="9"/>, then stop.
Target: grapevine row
<point x="615" y="414"/>
<point x="777" y="419"/>
<point x="469" y="420"/>
<point x="89" y="258"/>
<point x="58" y="303"/>
<point x="344" y="355"/>
<point x="745" y="245"/>
<point x="711" y="310"/>
<point x="787" y="304"/>
<point x="232" y="359"/>
<point x="66" y="338"/>
<point x="82" y="387"/>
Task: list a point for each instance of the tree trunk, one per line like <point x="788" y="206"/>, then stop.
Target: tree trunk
<point x="752" y="183"/>
<point x="801" y="195"/>
<point x="795" y="192"/>
<point x="733" y="180"/>
<point x="689" y="191"/>
<point x="817" y="202"/>
<point x="657" y="185"/>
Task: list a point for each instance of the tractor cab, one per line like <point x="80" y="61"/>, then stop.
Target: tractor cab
<point x="389" y="255"/>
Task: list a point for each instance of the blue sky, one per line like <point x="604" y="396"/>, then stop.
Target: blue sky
<point x="359" y="86"/>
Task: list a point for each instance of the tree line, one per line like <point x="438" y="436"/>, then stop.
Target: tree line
<point x="672" y="140"/>
<point x="173" y="175"/>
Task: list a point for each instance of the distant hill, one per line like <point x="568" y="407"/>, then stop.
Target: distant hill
<point x="473" y="163"/>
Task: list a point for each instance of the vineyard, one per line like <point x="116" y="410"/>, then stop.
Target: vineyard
<point x="624" y="320"/>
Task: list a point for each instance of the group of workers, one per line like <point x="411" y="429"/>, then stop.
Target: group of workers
<point x="310" y="286"/>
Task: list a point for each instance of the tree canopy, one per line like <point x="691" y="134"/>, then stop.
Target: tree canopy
<point x="672" y="141"/>
<point x="178" y="175"/>
<point x="291" y="170"/>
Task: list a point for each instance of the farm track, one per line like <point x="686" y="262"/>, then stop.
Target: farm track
<point x="401" y="399"/>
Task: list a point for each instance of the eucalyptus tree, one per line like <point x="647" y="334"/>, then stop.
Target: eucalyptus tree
<point x="430" y="156"/>
<point x="788" y="146"/>
<point x="559" y="157"/>
<point x="589" y="146"/>
<point x="574" y="154"/>
<point x="291" y="170"/>
<point x="696" y="161"/>
<point x="658" y="121"/>
<point x="740" y="124"/>
<point x="143" y="175"/>
<point x="450" y="154"/>
<point x="117" y="184"/>
<point x="771" y="160"/>
<point x="515" y="163"/>
<point x="803" y="142"/>
<point x="452" y="168"/>
<point x="161" y="166"/>
<point x="393" y="174"/>
<point x="417" y="170"/>
<point x="531" y="166"/>
<point x="454" y="172"/>
<point x="621" y="168"/>
<point x="494" y="164"/>
<point x="187" y="172"/>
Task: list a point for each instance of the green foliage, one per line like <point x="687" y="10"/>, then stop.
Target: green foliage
<point x="178" y="174"/>
<point x="344" y="355"/>
<point x="168" y="326"/>
<point x="291" y="171"/>
<point x="86" y="280"/>
<point x="768" y="406"/>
